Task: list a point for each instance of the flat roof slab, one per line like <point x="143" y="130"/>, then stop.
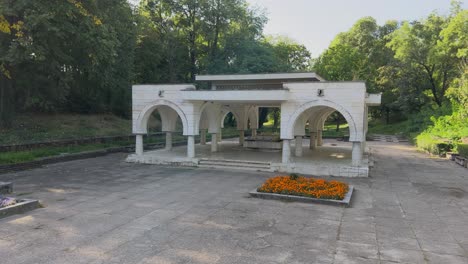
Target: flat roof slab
<point x="261" y="77"/>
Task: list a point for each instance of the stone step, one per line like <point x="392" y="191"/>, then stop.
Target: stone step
<point x="236" y="161"/>
<point x="234" y="164"/>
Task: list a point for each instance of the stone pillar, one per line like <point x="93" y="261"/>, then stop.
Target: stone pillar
<point x="286" y="151"/>
<point x="214" y="142"/>
<point x="139" y="145"/>
<point x="298" y="146"/>
<point x="241" y="137"/>
<point x="254" y="132"/>
<point x="203" y="137"/>
<point x="191" y="146"/>
<point x="219" y="137"/>
<point x="357" y="153"/>
<point x="313" y="140"/>
<point x="168" y="141"/>
<point x="319" y="138"/>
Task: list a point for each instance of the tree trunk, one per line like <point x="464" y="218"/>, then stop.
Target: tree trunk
<point x="337" y="124"/>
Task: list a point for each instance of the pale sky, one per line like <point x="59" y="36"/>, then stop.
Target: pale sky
<point x="315" y="23"/>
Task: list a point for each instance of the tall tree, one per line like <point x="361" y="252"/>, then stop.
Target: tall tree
<point x="415" y="46"/>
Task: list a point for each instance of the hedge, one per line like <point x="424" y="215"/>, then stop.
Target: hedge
<point x="463" y="150"/>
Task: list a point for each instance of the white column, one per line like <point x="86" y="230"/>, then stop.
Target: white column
<point x="319" y="138"/>
<point x="254" y="132"/>
<point x="220" y="135"/>
<point x="191" y="146"/>
<point x="214" y="142"/>
<point x="286" y="151"/>
<point x="313" y="140"/>
<point x="357" y="153"/>
<point x="203" y="137"/>
<point x="139" y="145"/>
<point x="298" y="146"/>
<point x="168" y="140"/>
<point x="241" y="137"/>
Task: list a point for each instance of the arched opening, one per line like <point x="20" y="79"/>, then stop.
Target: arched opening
<point x="164" y="126"/>
<point x="163" y="120"/>
<point x="313" y="122"/>
<point x="216" y="121"/>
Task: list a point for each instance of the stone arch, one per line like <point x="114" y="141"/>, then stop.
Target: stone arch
<point x="142" y="120"/>
<point x="353" y="133"/>
<point x="225" y="112"/>
<point x="318" y="121"/>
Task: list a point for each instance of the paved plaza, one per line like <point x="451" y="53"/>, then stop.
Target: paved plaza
<point x="413" y="209"/>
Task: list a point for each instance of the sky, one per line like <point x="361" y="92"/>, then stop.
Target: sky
<point x="315" y="23"/>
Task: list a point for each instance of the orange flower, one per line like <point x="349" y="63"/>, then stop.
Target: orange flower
<point x="302" y="186"/>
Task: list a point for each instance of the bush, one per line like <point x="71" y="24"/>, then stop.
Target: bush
<point x="433" y="145"/>
<point x="463" y="150"/>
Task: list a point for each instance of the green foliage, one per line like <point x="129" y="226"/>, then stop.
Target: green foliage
<point x="433" y="145"/>
<point x="420" y="67"/>
<point x="294" y="176"/>
<point x="28" y="128"/>
<point x="82" y="56"/>
<point x="379" y="127"/>
<point x="68" y="55"/>
<point x="463" y="150"/>
<point x="24" y="156"/>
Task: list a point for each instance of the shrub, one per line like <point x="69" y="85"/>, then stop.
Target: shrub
<point x="463" y="150"/>
<point x="437" y="146"/>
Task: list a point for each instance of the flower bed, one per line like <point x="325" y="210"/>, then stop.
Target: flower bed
<point x="307" y="187"/>
<point x="10" y="206"/>
<point x="7" y="201"/>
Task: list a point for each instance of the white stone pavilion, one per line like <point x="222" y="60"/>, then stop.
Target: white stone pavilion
<point x="305" y="100"/>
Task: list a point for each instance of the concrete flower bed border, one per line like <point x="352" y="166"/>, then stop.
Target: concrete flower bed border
<point x="293" y="198"/>
<point x="24" y="205"/>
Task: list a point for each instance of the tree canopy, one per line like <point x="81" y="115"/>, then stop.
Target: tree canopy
<point x="83" y="55"/>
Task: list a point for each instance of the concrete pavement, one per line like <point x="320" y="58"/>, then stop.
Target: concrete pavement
<point x="413" y="209"/>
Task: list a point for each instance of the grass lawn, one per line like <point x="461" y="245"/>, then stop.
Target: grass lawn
<point x="30" y="155"/>
<point x="13" y="157"/>
<point x="30" y="128"/>
<point x="378" y="127"/>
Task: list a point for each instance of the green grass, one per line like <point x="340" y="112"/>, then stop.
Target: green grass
<point x="14" y="157"/>
<point x="25" y="156"/>
<point x="29" y="128"/>
<point x="388" y="129"/>
<point x="329" y="130"/>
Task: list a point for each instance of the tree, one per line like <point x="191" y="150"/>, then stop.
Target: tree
<point x="455" y="43"/>
<point x="416" y="47"/>
<point x="67" y="55"/>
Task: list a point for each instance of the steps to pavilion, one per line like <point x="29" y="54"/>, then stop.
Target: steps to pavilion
<point x="234" y="164"/>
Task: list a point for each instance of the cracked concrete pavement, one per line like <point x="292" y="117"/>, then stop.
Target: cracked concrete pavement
<point x="413" y="209"/>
